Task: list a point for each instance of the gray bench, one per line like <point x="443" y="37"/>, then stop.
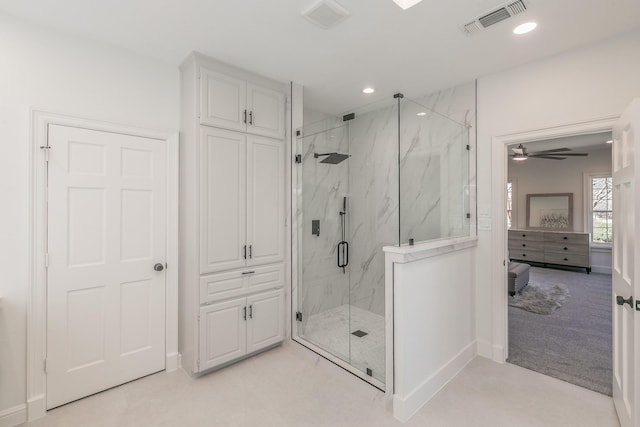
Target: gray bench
<point x="518" y="277"/>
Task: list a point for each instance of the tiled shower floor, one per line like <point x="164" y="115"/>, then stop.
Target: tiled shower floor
<point x="332" y="330"/>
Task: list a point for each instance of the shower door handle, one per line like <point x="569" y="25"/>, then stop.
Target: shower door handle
<point x="343" y="254"/>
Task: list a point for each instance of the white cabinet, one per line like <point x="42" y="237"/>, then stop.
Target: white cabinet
<point x="235" y="328"/>
<point x="235" y="104"/>
<point x="241" y="200"/>
<point x="232" y="214"/>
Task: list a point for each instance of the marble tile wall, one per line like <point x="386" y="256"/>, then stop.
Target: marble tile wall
<point x="434" y="198"/>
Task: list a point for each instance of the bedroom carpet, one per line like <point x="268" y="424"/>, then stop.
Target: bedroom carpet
<point x="574" y="342"/>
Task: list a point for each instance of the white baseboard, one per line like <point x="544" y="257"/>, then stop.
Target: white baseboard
<point x="485" y="349"/>
<point x="36" y="407"/>
<point x="172" y="362"/>
<point x="601" y="269"/>
<point x="405" y="407"/>
<point x="13" y="416"/>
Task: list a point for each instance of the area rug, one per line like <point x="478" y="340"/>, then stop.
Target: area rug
<point x="540" y="298"/>
<point x="574" y="342"/>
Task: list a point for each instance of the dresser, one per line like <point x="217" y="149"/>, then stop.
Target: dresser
<point x="232" y="214"/>
<point x="551" y="247"/>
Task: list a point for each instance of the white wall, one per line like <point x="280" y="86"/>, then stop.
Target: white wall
<point x="53" y="72"/>
<point x="591" y="83"/>
<point x="537" y="176"/>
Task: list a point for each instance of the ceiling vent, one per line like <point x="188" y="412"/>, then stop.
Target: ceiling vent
<point x="491" y="18"/>
<point x="325" y="13"/>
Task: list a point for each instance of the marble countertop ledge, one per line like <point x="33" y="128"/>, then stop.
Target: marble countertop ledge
<point x="429" y="249"/>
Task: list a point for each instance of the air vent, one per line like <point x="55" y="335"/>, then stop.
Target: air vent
<point x="325" y="13"/>
<point x="493" y="17"/>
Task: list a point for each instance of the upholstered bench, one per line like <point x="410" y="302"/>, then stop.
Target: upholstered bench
<point x="518" y="276"/>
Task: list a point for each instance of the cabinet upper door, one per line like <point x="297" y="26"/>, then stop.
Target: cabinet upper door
<point x="222" y="200"/>
<point x="222" y="100"/>
<point x="222" y="333"/>
<point x="265" y="319"/>
<point x="266" y="111"/>
<point x="265" y="200"/>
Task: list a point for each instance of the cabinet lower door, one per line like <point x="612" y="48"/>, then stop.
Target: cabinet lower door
<point x="265" y="322"/>
<point x="223" y="334"/>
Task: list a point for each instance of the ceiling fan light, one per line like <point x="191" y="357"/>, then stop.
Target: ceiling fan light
<point x="406" y="4"/>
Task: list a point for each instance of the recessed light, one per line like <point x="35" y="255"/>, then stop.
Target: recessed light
<point x="368" y="90"/>
<point x="525" y="28"/>
<point x="609" y="141"/>
<point x="421" y="113"/>
<point x="406" y="4"/>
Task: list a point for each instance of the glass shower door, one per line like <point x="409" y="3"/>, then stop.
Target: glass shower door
<point x="323" y="198"/>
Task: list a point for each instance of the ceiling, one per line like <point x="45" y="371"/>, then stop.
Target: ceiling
<point x="416" y="51"/>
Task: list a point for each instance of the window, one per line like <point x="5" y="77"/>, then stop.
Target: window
<point x="601" y="208"/>
<point x="509" y="204"/>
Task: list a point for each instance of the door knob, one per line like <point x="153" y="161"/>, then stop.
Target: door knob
<point x="622" y="301"/>
<point x="158" y="267"/>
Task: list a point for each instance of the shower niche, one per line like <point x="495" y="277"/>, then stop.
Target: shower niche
<point x="379" y="176"/>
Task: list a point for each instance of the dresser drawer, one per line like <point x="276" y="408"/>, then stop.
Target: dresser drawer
<point x="567" y="259"/>
<point x="567" y="248"/>
<point x="526" y="235"/>
<point x="577" y="238"/>
<point x="537" y="256"/>
<point x="528" y="245"/>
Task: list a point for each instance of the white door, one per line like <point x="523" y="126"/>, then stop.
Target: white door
<point x="106" y="231"/>
<point x="266" y="111"/>
<point x="626" y="222"/>
<point x="265" y="322"/>
<point x="223" y="333"/>
<point x="222" y="200"/>
<point x="223" y="101"/>
<point x="265" y="200"/>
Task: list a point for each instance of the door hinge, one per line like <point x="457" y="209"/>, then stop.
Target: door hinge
<point x="46" y="260"/>
<point x="46" y="149"/>
<point x="298" y="158"/>
<point x="298" y="316"/>
<point x="45" y="367"/>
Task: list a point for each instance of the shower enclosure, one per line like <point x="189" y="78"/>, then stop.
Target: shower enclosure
<point x="379" y="176"/>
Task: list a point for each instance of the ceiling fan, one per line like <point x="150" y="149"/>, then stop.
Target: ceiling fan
<point x="520" y="153"/>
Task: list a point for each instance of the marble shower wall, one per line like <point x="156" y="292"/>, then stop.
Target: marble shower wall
<point x="324" y="285"/>
<point x="434" y="198"/>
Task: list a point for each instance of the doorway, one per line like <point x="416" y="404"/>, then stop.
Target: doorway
<point x="102" y="306"/>
<point x="559" y="315"/>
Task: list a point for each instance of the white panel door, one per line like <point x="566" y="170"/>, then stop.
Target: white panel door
<point x="266" y="111"/>
<point x="626" y="221"/>
<point x="223" y="101"/>
<point x="265" y="323"/>
<point x="106" y="230"/>
<point x="265" y="200"/>
<point x="222" y="333"/>
<point x="222" y="200"/>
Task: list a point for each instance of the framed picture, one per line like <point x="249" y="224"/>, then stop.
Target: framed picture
<point x="553" y="211"/>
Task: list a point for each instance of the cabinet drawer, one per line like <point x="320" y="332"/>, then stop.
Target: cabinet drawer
<point x="567" y="259"/>
<point x="526" y="235"/>
<point x="230" y="284"/>
<point x="527" y="245"/>
<point x="578" y="238"/>
<point x="527" y="255"/>
<point x="567" y="248"/>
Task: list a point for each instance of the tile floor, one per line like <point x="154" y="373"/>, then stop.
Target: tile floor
<point x="332" y="330"/>
<point x="290" y="386"/>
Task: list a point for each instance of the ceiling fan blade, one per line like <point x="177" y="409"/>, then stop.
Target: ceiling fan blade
<point x="548" y="157"/>
<point x="555" y="150"/>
